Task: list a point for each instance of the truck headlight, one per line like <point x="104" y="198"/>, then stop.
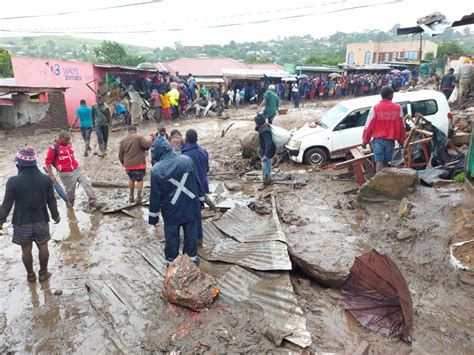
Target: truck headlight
<point x="292" y="144"/>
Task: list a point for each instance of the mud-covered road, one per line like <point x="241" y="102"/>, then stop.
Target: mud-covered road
<point x="105" y="292"/>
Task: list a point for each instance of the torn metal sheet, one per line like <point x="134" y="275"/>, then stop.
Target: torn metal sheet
<point x="269" y="255"/>
<point x="245" y="225"/>
<point x="274" y="293"/>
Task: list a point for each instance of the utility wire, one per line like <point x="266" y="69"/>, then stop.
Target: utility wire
<point x="79" y="11"/>
<point x="200" y="19"/>
<point x="250" y="22"/>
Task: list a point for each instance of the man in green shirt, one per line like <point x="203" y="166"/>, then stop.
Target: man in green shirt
<point x="101" y="120"/>
<point x="271" y="102"/>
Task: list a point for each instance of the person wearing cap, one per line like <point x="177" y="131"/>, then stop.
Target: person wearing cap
<point x="267" y="149"/>
<point x="270" y="102"/>
<point x="61" y="156"/>
<point x="447" y="84"/>
<point x="32" y="194"/>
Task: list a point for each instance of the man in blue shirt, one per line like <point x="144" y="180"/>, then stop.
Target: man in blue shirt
<point x="84" y="115"/>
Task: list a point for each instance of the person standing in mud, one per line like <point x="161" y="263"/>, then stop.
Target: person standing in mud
<point x="61" y="156"/>
<point x="200" y="158"/>
<point x="32" y="193"/>
<point x="132" y="156"/>
<point x="385" y="124"/>
<point x="267" y="149"/>
<point x="176" y="192"/>
<point x="270" y="103"/>
<point x="84" y="115"/>
<point x="101" y="119"/>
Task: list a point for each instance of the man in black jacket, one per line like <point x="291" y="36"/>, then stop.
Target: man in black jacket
<point x="32" y="193"/>
<point x="267" y="149"/>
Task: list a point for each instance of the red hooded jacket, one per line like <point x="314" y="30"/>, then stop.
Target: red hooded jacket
<point x="64" y="158"/>
<point x="386" y="123"/>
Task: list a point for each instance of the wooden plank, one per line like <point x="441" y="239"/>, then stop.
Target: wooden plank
<point x="356" y="153"/>
<point x="349" y="162"/>
<point x="421" y="141"/>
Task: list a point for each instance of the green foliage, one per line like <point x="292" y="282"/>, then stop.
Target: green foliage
<point x="328" y="59"/>
<point x="429" y="56"/>
<point x="114" y="53"/>
<point x="6" y="70"/>
<point x="459" y="178"/>
<point x="448" y="48"/>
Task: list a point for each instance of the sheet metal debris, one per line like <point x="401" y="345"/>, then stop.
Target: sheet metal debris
<point x="274" y="293"/>
<point x="377" y="295"/>
<point x="244" y="225"/>
<point x="269" y="255"/>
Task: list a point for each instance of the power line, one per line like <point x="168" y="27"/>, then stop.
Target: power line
<point x="200" y="19"/>
<point x="281" y="18"/>
<point x="79" y="11"/>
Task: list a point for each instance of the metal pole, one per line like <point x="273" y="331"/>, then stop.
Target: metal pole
<point x="421" y="51"/>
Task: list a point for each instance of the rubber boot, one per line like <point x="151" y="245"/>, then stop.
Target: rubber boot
<point x="131" y="199"/>
<point x="86" y="151"/>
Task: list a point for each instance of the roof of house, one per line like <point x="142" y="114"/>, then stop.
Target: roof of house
<point x="203" y="66"/>
<point x="266" y="66"/>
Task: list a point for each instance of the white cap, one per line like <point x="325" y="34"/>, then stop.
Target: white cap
<point x="271" y="87"/>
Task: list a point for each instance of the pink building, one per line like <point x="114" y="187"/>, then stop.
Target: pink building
<point x="37" y="72"/>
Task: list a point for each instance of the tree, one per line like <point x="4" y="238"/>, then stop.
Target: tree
<point x="429" y="56"/>
<point x="114" y="53"/>
<point x="110" y="52"/>
<point x="6" y="70"/>
<point x="448" y="48"/>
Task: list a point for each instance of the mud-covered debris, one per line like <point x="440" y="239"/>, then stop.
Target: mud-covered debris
<point x="249" y="144"/>
<point x="233" y="186"/>
<point x="261" y="207"/>
<point x="390" y="182"/>
<point x="276" y="336"/>
<point x="58" y="292"/>
<point x="292" y="218"/>
<point x="188" y="286"/>
<point x="405" y="208"/>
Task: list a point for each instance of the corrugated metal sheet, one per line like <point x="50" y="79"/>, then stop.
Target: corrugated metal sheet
<point x="274" y="293"/>
<point x="268" y="255"/>
<point x="245" y="225"/>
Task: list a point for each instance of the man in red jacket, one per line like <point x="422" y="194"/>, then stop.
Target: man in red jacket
<point x="61" y="156"/>
<point x="385" y="124"/>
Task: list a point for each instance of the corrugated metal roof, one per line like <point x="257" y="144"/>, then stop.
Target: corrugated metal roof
<point x="266" y="66"/>
<point x="30" y="89"/>
<point x="274" y="293"/>
<point x="256" y="74"/>
<point x="203" y="66"/>
<point x="244" y="225"/>
<point x="268" y="255"/>
<point x="200" y="79"/>
<point x="320" y="69"/>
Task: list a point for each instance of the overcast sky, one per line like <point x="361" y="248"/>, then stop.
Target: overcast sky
<point x="197" y="22"/>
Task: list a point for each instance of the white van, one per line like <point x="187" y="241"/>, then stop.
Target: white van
<point x="342" y="126"/>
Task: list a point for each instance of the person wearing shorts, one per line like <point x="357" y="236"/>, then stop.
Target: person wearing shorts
<point x="32" y="194"/>
<point x="132" y="155"/>
<point x="385" y="124"/>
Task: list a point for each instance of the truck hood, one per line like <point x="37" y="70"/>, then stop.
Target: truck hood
<point x="306" y="130"/>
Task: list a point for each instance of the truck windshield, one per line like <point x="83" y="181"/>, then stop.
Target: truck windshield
<point x="333" y="116"/>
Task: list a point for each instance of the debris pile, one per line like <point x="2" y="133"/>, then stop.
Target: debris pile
<point x="188" y="286"/>
<point x="390" y="182"/>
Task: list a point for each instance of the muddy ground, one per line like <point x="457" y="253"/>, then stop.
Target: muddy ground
<point x="105" y="295"/>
